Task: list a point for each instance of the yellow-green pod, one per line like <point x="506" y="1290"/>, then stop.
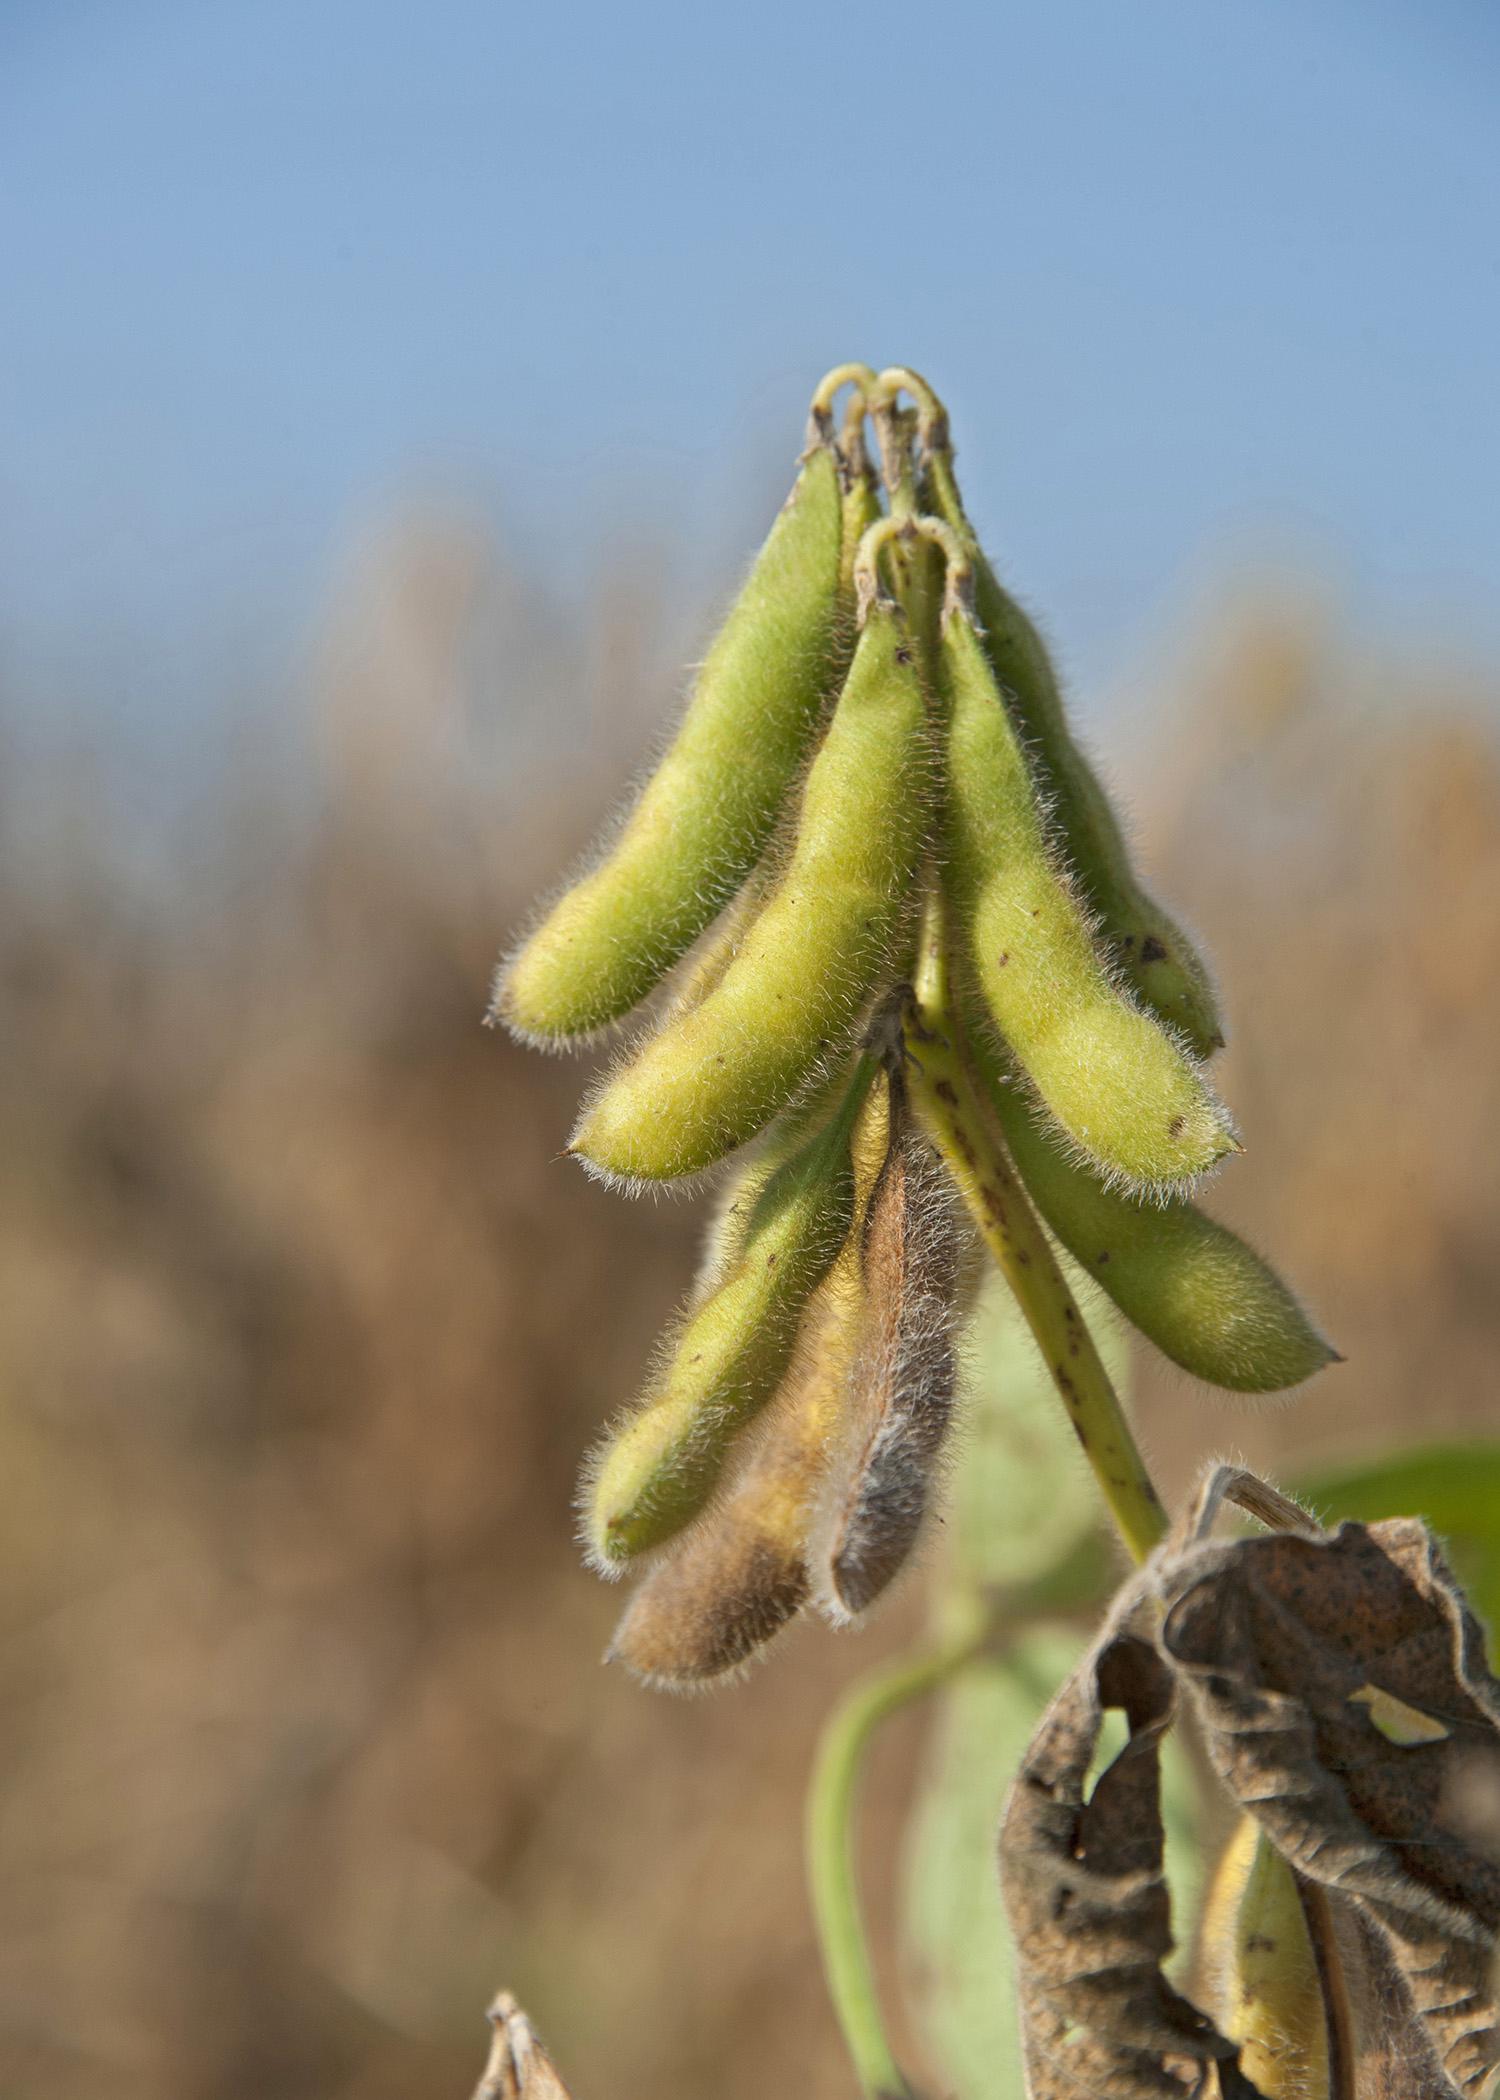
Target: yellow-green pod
<point x="1154" y="955"/>
<point x="659" y="1467"/>
<point x="1125" y="1091"/>
<point x="1190" y="1285"/>
<point x="1258" y="1955"/>
<point x="816" y="952"/>
<point x="739" y="1574"/>
<point x="735" y="1207"/>
<point x="704" y="816"/>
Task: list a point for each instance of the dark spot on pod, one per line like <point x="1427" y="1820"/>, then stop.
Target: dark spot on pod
<point x="1174" y="1128"/>
<point x="771" y="1261"/>
<point x="944" y="1090"/>
<point x="1104" y="1257"/>
<point x="1259" y="1943"/>
<point x="1005" y="958"/>
<point x="1023" y="1258"/>
<point x="903" y="654"/>
<point x="1070" y="1312"/>
<point x="1153" y="950"/>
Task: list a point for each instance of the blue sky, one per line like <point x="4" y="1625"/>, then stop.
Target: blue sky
<point x="1197" y="277"/>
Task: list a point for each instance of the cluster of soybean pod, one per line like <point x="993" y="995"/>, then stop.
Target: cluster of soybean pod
<point x="902" y="975"/>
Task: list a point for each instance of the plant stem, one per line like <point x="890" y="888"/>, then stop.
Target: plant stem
<point x="831" y="1870"/>
<point x="948" y="1103"/>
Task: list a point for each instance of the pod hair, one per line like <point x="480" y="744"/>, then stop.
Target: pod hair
<point x="702" y="818"/>
<point x="1121" y="1085"/>
<point x="659" y="1466"/>
<point x="1192" y="1287"/>
<point x="720" y="1593"/>
<point x="816" y="953"/>
<point x="1157" y="958"/>
<point x="899" y="1400"/>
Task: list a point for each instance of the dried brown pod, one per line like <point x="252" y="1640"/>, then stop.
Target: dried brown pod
<point x="1082" y="1876"/>
<point x="1341" y="1681"/>
<point x="731" y="1582"/>
<point x="899" y="1399"/>
<point x="740" y="1574"/>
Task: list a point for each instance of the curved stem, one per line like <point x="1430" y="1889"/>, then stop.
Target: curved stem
<point x="861" y="377"/>
<point x="932" y="416"/>
<point x="956" y="1119"/>
<point x="831" y="1871"/>
<point x="820" y="408"/>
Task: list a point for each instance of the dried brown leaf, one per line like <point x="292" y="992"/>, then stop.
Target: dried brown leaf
<point x="519" y="2067"/>
<point x="1342" y="1685"/>
<point x="1084" y="1890"/>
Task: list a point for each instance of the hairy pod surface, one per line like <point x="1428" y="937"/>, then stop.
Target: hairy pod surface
<point x="815" y="953"/>
<point x="658" y="1469"/>
<point x="740" y="1574"/>
<point x="1189" y="1284"/>
<point x="704" y="816"/>
<point x="1266" y="1991"/>
<point x="1154" y="955"/>
<point x="1118" y="1084"/>
<point x="900" y="1394"/>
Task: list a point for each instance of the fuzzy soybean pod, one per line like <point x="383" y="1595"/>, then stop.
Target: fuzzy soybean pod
<point x="658" y="1468"/>
<point x="1125" y="1091"/>
<point x="816" y="954"/>
<point x="1154" y="955"/>
<point x="738" y="1575"/>
<point x="899" y="1398"/>
<point x="704" y="816"/>
<point x="1206" y="1300"/>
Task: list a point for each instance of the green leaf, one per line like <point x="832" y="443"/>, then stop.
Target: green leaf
<point x="1023" y="1504"/>
<point x="955" y="1938"/>
<point x="1454" y="1487"/>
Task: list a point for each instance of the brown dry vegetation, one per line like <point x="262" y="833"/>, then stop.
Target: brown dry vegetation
<point x="304" y="1327"/>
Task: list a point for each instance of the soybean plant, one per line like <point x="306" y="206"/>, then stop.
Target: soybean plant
<point x="893" y="975"/>
<point x="874" y="822"/>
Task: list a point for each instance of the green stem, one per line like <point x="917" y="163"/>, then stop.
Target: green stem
<point x="960" y="1125"/>
<point x="831" y="1869"/>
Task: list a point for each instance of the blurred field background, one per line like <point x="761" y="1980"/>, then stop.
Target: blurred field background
<point x="387" y="395"/>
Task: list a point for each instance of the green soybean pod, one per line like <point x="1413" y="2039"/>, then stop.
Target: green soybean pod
<point x="704" y="816"/>
<point x="1189" y="1284"/>
<point x="1155" y="956"/>
<point x="661" y="1464"/>
<point x="736" y="1576"/>
<point x="702" y="969"/>
<point x="1123" y="1088"/>
<point x="815" y="954"/>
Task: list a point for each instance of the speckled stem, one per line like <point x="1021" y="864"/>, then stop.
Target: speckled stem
<point x="949" y="1105"/>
